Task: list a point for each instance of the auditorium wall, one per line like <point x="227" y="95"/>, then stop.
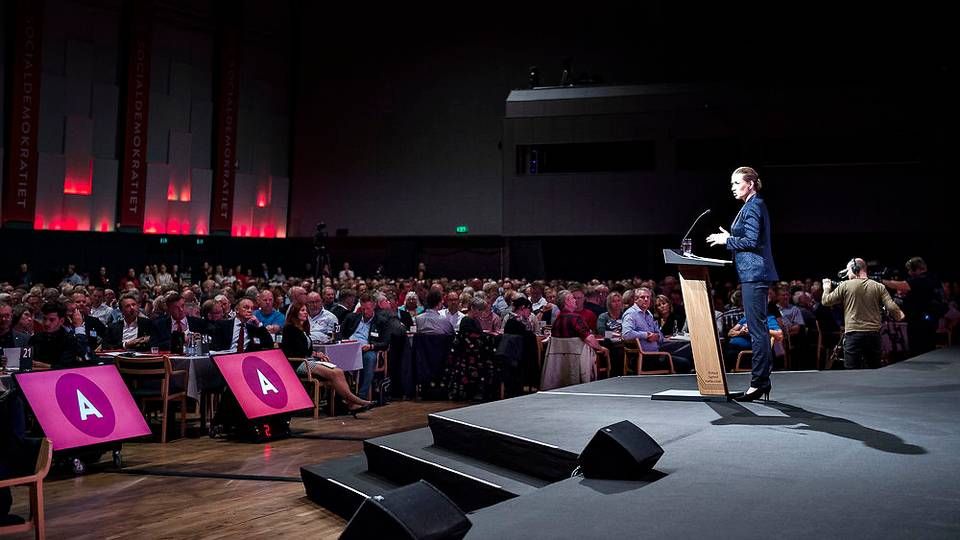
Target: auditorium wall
<point x="82" y="180"/>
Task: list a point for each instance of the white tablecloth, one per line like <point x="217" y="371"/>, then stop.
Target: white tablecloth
<point x="347" y="356"/>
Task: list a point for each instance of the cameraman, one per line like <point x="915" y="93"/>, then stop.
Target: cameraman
<point x="862" y="299"/>
<point x="924" y="303"/>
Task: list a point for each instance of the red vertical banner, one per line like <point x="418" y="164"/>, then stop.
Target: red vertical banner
<point x="136" y="114"/>
<point x="228" y="91"/>
<point x="20" y="181"/>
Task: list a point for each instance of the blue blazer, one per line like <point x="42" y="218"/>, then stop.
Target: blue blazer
<point x="750" y="243"/>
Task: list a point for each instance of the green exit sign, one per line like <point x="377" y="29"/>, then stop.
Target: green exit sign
<point x="462" y="229"/>
<point x="200" y="241"/>
<point x="164" y="239"/>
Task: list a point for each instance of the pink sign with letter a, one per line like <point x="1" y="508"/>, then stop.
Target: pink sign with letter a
<point x="263" y="382"/>
<point x="82" y="406"/>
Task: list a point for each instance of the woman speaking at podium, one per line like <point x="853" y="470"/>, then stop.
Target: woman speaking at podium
<point x="749" y="240"/>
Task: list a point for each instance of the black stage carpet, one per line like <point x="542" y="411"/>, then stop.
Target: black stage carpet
<point x="838" y="454"/>
<point x="835" y="454"/>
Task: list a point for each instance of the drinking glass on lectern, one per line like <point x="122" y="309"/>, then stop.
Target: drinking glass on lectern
<point x="687" y="247"/>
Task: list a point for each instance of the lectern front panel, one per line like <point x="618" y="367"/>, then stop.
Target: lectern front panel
<point x="707" y="357"/>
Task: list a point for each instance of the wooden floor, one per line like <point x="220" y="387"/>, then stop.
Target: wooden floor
<point x="109" y="504"/>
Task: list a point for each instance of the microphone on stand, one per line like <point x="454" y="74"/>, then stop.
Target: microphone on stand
<point x="686" y="245"/>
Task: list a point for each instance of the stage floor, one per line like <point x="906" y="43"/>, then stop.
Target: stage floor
<point x="865" y="454"/>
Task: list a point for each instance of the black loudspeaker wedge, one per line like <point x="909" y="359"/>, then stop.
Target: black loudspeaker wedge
<point x="417" y="511"/>
<point x="620" y="451"/>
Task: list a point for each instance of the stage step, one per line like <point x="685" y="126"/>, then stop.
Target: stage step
<point x="404" y="458"/>
<point x="526" y="456"/>
<point x="341" y="485"/>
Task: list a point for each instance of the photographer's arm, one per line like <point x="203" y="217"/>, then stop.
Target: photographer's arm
<point x="830" y="297"/>
<point x="901" y="287"/>
<point x="892" y="307"/>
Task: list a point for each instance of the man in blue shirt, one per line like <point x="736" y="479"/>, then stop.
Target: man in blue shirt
<point x="269" y="318"/>
<point x="360" y="326"/>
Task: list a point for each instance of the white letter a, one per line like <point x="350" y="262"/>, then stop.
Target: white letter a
<point x="86" y="408"/>
<point x="266" y="385"/>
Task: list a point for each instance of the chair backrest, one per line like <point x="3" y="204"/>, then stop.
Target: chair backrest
<point x="44" y="458"/>
<point x="632" y="345"/>
<point x="144" y="366"/>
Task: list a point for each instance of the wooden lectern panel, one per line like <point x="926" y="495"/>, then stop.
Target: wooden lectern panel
<point x="711" y="379"/>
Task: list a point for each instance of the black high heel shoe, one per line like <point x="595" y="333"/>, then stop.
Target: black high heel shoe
<point x="757" y="393"/>
<point x="360" y="409"/>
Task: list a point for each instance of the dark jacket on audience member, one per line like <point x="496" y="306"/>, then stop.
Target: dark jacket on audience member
<point x="145" y="327"/>
<point x="340" y="311"/>
<point x="13" y="339"/>
<point x="59" y="349"/>
<point x="95" y="330"/>
<point x="406" y="318"/>
<point x="164" y="329"/>
<point x="222" y="332"/>
<point x="296" y="343"/>
<point x="379" y="330"/>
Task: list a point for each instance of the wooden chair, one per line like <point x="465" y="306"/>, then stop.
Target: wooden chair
<point x="151" y="369"/>
<point x="35" y="481"/>
<point x="748" y="355"/>
<point x="380" y="368"/>
<point x="314" y="386"/>
<point x="603" y="364"/>
<point x="631" y="349"/>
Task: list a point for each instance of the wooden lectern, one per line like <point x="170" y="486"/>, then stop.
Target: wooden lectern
<point x="704" y="341"/>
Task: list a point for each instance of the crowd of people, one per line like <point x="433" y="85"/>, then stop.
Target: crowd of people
<point x="68" y="321"/>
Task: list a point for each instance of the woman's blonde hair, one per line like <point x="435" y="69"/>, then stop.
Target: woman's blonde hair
<point x="749" y="175"/>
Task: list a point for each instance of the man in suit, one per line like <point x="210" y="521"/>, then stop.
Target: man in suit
<point x="176" y="322"/>
<point x="372" y="333"/>
<point x="242" y="333"/>
<point x="8" y="336"/>
<point x="132" y="331"/>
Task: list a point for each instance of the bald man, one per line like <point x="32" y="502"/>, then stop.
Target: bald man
<point x="862" y="300"/>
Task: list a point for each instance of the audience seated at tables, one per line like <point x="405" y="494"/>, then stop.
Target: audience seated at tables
<point x="242" y="333"/>
<point x="96" y="305"/>
<point x="55" y="347"/>
<point x="132" y="331"/>
<point x="296" y="343"/>
<point x="430" y="321"/>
